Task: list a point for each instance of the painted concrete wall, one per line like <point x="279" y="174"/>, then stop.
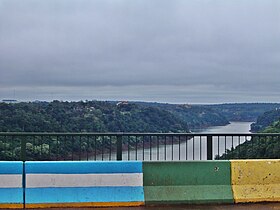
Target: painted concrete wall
<point x="255" y="180"/>
<point x="134" y="183"/>
<point x="187" y="182"/>
<point x="11" y="188"/>
<point x="79" y="184"/>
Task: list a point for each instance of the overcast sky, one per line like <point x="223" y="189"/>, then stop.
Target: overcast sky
<point x="177" y="51"/>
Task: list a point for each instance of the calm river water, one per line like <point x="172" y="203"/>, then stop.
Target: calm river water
<point x="192" y="149"/>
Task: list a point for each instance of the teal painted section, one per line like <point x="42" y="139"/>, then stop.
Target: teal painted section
<point x="82" y="167"/>
<point x="79" y="194"/>
<point x="11" y="195"/>
<point x="187" y="182"/>
<point x="84" y="194"/>
<point x="11" y="167"/>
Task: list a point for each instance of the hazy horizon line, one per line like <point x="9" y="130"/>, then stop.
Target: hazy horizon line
<point x="131" y="101"/>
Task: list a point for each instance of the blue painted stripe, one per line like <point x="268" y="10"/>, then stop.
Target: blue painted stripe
<point x="83" y="167"/>
<point x="84" y="194"/>
<point x="11" y="195"/>
<point x="11" y="167"/>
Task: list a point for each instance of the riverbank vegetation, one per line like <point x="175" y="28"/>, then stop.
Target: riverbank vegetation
<point x="91" y="116"/>
<point x="111" y="116"/>
<point x="258" y="147"/>
<point x="102" y="116"/>
<point x="266" y="120"/>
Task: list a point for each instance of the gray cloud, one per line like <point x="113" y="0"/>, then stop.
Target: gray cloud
<point x="195" y="51"/>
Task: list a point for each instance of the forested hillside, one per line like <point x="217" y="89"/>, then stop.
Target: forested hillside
<point x="265" y="120"/>
<point x="90" y="116"/>
<point x="258" y="147"/>
<point x="100" y="116"/>
<point x="243" y="111"/>
<point x="216" y="114"/>
<point x="196" y="116"/>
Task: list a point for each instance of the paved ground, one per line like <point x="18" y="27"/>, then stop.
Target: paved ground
<point x="259" y="206"/>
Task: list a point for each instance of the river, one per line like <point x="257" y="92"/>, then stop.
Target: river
<point x="233" y="127"/>
<point x="192" y="149"/>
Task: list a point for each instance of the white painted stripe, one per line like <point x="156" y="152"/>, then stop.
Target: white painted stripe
<point x="83" y="180"/>
<point x="10" y="181"/>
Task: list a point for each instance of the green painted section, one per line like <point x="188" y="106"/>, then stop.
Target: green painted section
<point x="187" y="182"/>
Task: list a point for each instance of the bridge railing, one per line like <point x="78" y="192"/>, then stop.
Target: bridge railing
<point x="136" y="146"/>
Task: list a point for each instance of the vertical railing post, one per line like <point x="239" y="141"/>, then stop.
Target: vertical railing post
<point x="209" y="147"/>
<point x="119" y="147"/>
<point x="23" y="148"/>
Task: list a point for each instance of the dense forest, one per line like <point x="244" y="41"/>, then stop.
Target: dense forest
<point x="110" y="116"/>
<point x="101" y="116"/>
<point x="247" y="112"/>
<point x="258" y="146"/>
<point x="196" y="116"/>
<point x="91" y="116"/>
<point x="265" y="120"/>
<point x="217" y="114"/>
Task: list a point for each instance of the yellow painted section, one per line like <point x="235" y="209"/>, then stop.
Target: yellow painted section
<point x="255" y="180"/>
<point x="90" y="204"/>
<point x="11" y="206"/>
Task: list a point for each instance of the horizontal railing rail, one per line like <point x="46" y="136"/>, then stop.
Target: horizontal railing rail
<point x="137" y="146"/>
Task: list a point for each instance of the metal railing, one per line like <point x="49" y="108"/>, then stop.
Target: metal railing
<point x="135" y="146"/>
